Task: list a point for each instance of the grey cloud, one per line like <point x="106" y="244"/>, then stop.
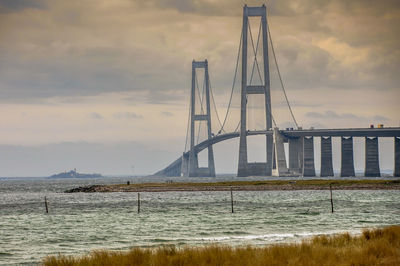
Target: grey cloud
<point x="127" y="115"/>
<point x="228" y="7"/>
<point x="16" y="5"/>
<point x="334" y="115"/>
<point x="167" y="114"/>
<point x="55" y="60"/>
<point x="302" y="104"/>
<point x="79" y="75"/>
<point x="275" y="7"/>
<point x="305" y="66"/>
<point x="154" y="96"/>
<point x="96" y="116"/>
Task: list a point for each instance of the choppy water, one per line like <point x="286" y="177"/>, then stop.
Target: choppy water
<point x="80" y="222"/>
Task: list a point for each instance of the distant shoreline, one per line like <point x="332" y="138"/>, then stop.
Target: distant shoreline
<point x="245" y="186"/>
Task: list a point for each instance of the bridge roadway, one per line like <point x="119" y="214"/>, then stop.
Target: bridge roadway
<point x="341" y="132"/>
<point x="295" y="133"/>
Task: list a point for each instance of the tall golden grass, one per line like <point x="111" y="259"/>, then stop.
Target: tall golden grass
<point x="372" y="247"/>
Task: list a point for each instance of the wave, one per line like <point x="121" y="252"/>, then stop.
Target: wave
<point x="272" y="237"/>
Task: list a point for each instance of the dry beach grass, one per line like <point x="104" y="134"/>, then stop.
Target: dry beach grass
<point x="372" y="247"/>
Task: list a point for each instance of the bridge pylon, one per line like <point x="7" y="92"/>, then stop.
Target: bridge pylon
<point x="190" y="166"/>
<point x="244" y="167"/>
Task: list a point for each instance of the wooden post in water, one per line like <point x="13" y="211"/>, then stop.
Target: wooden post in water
<point x="330" y="188"/>
<point x="138" y="202"/>
<point x="45" y="204"/>
<point x="232" y="199"/>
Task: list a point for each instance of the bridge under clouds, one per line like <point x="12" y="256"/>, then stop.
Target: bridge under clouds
<point x="105" y="76"/>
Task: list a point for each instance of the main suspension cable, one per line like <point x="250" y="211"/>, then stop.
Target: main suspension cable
<point x="187" y="128"/>
<point x="233" y="85"/>
<point x="215" y="106"/>
<point x="280" y="77"/>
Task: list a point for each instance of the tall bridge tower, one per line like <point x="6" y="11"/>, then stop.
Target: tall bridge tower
<point x="191" y="167"/>
<point x="300" y="141"/>
<point x="245" y="168"/>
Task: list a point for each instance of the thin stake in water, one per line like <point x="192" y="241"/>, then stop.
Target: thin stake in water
<point x="232" y="199"/>
<point x="330" y="188"/>
<point x="45" y="204"/>
<point x="138" y="202"/>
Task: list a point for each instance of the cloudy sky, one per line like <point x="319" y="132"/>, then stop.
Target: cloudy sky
<point x="103" y="86"/>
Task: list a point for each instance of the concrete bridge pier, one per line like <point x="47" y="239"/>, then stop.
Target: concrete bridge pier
<point x="308" y="157"/>
<point x="301" y="155"/>
<point x="347" y="166"/>
<point x="280" y="158"/>
<point x="196" y="171"/>
<point x="371" y="157"/>
<point x="193" y="164"/>
<point x="396" y="157"/>
<point x="185" y="165"/>
<point x="326" y="157"/>
<point x="294" y="155"/>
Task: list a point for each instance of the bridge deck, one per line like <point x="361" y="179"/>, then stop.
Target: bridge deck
<point x="337" y="132"/>
<point x="345" y="132"/>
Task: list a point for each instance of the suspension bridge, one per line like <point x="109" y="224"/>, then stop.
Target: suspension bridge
<point x="254" y="88"/>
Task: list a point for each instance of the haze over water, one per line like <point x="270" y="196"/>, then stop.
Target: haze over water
<point x="80" y="222"/>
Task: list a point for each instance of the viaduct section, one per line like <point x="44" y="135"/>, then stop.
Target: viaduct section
<point x="301" y="151"/>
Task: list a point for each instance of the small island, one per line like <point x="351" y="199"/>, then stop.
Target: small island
<point x="75" y="174"/>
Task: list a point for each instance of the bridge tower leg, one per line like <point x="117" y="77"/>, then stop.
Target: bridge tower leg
<point x="371" y="157"/>
<point x="326" y="157"/>
<point x="280" y="158"/>
<point x="193" y="166"/>
<point x="308" y="157"/>
<point x="347" y="167"/>
<point x="185" y="165"/>
<point x="396" y="157"/>
<point x="245" y="168"/>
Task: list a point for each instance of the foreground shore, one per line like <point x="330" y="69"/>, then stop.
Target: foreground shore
<point x="246" y="186"/>
<point x="372" y="247"/>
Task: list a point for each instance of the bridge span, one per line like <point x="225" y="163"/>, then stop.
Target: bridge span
<point x="300" y="166"/>
<point x="341" y="132"/>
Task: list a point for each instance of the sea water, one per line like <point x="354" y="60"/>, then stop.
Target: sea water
<point x="80" y="222"/>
